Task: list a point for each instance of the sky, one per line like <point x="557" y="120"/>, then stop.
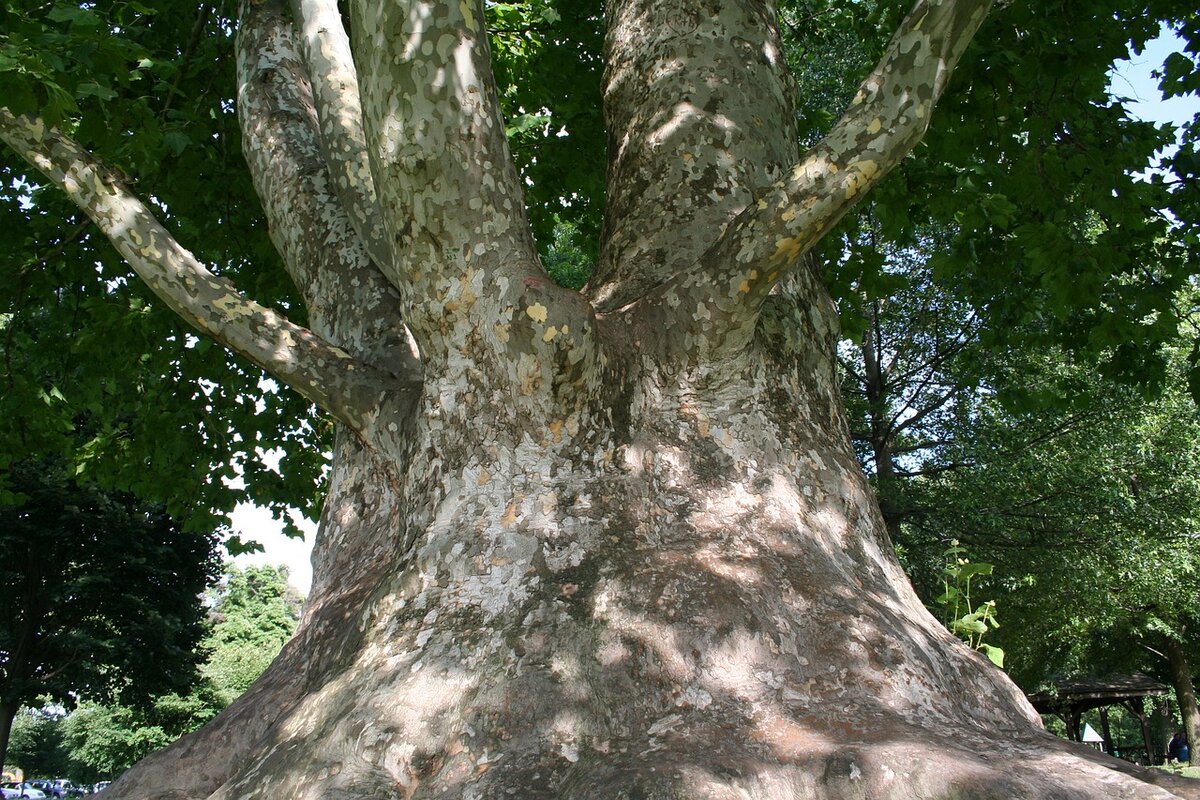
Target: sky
<point x="1132" y="79"/>
<point x="255" y="524"/>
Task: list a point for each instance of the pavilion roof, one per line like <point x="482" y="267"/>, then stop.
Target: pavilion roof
<point x="1081" y="694"/>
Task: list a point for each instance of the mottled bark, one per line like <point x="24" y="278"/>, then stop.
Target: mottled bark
<point x="325" y="374"/>
<point x="620" y="546"/>
<point x="1185" y="695"/>
<point x="330" y="69"/>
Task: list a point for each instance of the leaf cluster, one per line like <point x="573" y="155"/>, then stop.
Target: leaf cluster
<point x="100" y="595"/>
<point x="95" y="371"/>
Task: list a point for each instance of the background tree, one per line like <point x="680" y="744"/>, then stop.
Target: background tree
<point x="35" y="744"/>
<point x="254" y="612"/>
<point x="1093" y="495"/>
<point x="100" y="594"/>
<point x="543" y="502"/>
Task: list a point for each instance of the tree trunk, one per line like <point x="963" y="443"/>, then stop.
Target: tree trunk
<point x="1185" y="693"/>
<point x="8" y="712"/>
<point x="618" y="544"/>
<point x="879" y="417"/>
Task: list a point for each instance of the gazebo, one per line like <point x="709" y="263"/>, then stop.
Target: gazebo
<point x="1069" y="699"/>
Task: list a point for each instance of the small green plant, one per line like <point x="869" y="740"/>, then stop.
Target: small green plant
<point x="969" y="622"/>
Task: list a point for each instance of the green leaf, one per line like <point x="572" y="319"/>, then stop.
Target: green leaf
<point x="994" y="654"/>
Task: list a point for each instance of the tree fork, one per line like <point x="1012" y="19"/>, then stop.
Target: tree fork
<point x="620" y="545"/>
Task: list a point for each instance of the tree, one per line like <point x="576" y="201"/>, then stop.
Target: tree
<point x="35" y="744"/>
<point x="1094" y="496"/>
<point x="102" y="595"/>
<point x="544" y="503"/>
<point x="254" y="613"/>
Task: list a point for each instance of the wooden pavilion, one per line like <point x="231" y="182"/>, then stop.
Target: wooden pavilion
<point x="1068" y="700"/>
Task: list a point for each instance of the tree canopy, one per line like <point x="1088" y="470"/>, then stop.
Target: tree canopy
<point x="101" y="596"/>
<point x="1046" y="230"/>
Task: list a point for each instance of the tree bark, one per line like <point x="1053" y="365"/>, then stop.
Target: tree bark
<point x="879" y="415"/>
<point x="620" y="545"/>
<point x="1185" y="693"/>
<point x="8" y="712"/>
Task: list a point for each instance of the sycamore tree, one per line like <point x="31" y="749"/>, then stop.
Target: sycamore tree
<point x="600" y="543"/>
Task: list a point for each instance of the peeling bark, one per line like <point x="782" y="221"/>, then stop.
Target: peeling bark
<point x="335" y="82"/>
<point x="620" y="546"/>
<point x="325" y="374"/>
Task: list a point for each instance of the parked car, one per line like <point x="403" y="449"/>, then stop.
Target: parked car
<point x="27" y="790"/>
<point x="50" y="788"/>
<point x="8" y="792"/>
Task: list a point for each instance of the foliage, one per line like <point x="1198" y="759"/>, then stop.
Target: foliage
<point x="102" y="591"/>
<point x="102" y="741"/>
<point x="253" y="613"/>
<point x="970" y="621"/>
<point x="1031" y="171"/>
<point x="95" y="372"/>
<point x="1090" y="510"/>
<point x="36" y="743"/>
<point x="566" y="261"/>
<point x="547" y="60"/>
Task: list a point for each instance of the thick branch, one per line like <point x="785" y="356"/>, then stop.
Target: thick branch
<point x="334" y="81"/>
<point x="325" y="374"/>
<point x="887" y="118"/>
<point x="698" y="109"/>
<point x="451" y="200"/>
<point x="350" y="302"/>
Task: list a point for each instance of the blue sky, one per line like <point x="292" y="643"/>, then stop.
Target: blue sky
<point x="1132" y="79"/>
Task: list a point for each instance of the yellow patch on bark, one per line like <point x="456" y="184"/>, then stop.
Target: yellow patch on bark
<point x="875" y="127"/>
<point x="536" y="312"/>
<point x="468" y="14"/>
<point x="484" y="477"/>
<point x="550" y="333"/>
<point x="786" y="250"/>
<point x="510" y="515"/>
<point x="232" y="306"/>
<point x="556" y="428"/>
<point x="502" y="332"/>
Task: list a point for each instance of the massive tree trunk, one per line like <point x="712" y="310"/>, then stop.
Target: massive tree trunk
<point x="610" y="544"/>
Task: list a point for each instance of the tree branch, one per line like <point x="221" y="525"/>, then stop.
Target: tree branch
<point x="886" y="119"/>
<point x="326" y="375"/>
<point x="450" y="196"/>
<point x="350" y="302"/>
<point x="330" y="67"/>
